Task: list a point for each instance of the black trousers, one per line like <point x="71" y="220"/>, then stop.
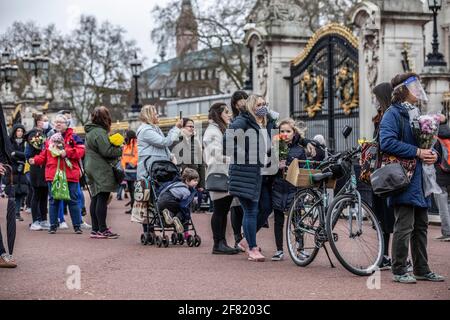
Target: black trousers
<point x="237" y="215"/>
<point x="99" y="210"/>
<point x="130" y="185"/>
<point x="219" y="218"/>
<point x="39" y="201"/>
<point x="278" y="229"/>
<point x="10" y="224"/>
<point x="411" y="227"/>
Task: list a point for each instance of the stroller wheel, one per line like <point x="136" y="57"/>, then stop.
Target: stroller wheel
<point x="190" y="241"/>
<point x="174" y="238"/>
<point x="166" y="241"/>
<point x="151" y="239"/>
<point x="158" y="241"/>
<point x="180" y="239"/>
<point x="197" y="241"/>
<point x="144" y="240"/>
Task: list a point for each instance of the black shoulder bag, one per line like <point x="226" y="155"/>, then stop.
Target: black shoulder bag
<point x="392" y="178"/>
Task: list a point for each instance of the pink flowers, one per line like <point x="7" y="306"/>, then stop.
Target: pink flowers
<point x="427" y="130"/>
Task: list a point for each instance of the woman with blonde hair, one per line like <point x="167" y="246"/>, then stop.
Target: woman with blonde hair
<point x="283" y="192"/>
<point x="153" y="145"/>
<point x="252" y="181"/>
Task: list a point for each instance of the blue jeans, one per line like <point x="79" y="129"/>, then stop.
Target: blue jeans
<point x="73" y="203"/>
<point x="62" y="206"/>
<point x="256" y="213"/>
<point x="19" y="200"/>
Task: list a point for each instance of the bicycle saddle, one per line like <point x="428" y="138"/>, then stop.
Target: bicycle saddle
<point x="319" y="177"/>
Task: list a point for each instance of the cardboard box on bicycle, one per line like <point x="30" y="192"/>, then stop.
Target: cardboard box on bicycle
<point x="301" y="178"/>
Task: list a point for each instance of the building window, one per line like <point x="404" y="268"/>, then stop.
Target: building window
<point x="182" y="76"/>
<point x="203" y="74"/>
<point x="189" y="76"/>
<point x="210" y="74"/>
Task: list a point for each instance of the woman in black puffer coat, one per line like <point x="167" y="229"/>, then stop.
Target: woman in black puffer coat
<point x="20" y="181"/>
<point x="284" y="192"/>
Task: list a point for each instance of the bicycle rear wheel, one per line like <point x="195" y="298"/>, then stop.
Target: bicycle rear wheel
<point x="357" y="242"/>
<point x="301" y="228"/>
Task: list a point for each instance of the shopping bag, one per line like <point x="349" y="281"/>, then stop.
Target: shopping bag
<point x="60" y="187"/>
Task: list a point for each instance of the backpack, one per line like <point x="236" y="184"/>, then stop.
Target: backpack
<point x="370" y="159"/>
<point x="445" y="157"/>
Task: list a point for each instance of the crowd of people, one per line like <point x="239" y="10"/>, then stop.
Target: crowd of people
<point x="246" y="185"/>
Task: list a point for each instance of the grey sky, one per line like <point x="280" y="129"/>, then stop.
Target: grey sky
<point x="133" y="15"/>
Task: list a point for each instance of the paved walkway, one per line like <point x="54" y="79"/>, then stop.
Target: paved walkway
<point x="124" y="269"/>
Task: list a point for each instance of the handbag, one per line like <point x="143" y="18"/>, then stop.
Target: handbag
<point x="390" y="180"/>
<point x="217" y="182"/>
<point x="395" y="174"/>
<point x="60" y="186"/>
<point x="119" y="174"/>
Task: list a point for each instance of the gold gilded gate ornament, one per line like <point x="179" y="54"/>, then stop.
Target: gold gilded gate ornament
<point x="312" y="88"/>
<point x="347" y="84"/>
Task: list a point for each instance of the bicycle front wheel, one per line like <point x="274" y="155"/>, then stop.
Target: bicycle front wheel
<point x="302" y="226"/>
<point x="355" y="236"/>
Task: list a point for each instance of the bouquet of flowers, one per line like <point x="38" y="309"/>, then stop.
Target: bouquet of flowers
<point x="37" y="141"/>
<point x="117" y="140"/>
<point x="283" y="149"/>
<point x="56" y="147"/>
<point x="425" y="129"/>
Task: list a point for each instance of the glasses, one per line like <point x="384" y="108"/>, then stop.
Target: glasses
<point x="192" y="127"/>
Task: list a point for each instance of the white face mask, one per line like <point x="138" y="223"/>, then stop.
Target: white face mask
<point x="46" y="125"/>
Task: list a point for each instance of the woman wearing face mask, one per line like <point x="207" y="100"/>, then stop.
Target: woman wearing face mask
<point x="250" y="176"/>
<point x="411" y="206"/>
<point x="69" y="151"/>
<point x="35" y="144"/>
<point x="17" y="139"/>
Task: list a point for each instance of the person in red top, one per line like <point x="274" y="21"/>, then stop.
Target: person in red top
<point x="71" y="151"/>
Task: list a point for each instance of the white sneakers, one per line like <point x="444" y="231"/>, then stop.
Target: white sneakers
<point x="85" y="226"/>
<point x="39" y="226"/>
<point x="63" y="226"/>
<point x="36" y="226"/>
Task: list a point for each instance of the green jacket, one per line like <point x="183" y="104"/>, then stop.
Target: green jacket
<point x="100" y="156"/>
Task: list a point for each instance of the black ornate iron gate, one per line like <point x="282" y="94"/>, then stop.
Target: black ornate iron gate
<point x="325" y="86"/>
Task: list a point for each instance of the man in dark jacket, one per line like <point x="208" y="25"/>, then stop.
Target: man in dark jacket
<point x="6" y="260"/>
<point x="443" y="179"/>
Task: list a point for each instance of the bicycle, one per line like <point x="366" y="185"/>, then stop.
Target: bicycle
<point x="346" y="222"/>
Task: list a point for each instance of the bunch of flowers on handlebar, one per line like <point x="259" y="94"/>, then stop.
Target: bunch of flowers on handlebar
<point x="425" y="129"/>
<point x="56" y="147"/>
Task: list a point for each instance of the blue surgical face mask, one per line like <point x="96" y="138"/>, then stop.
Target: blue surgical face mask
<point x="262" y="112"/>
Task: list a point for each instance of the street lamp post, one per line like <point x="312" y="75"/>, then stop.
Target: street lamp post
<point x="136" y="69"/>
<point x="435" y="58"/>
<point x="36" y="62"/>
<point x="8" y="70"/>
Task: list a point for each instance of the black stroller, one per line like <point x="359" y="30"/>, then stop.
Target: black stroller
<point x="162" y="174"/>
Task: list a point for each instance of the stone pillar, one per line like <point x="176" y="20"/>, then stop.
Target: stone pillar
<point x="275" y="35"/>
<point x="436" y="81"/>
<point x="389" y="31"/>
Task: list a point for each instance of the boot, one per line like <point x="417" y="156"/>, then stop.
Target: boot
<point x="238" y="238"/>
<point x="221" y="247"/>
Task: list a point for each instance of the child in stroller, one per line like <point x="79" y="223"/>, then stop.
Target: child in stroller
<point x="163" y="204"/>
<point x="175" y="201"/>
